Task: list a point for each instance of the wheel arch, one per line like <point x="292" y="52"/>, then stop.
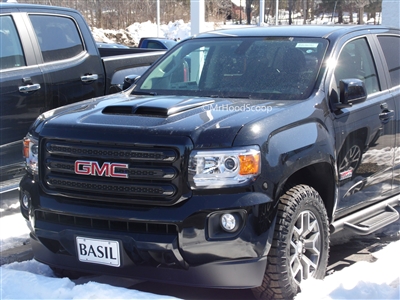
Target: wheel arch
<point x="321" y="177"/>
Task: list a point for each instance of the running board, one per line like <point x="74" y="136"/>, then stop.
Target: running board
<point x="369" y="219"/>
<point x="9" y="185"/>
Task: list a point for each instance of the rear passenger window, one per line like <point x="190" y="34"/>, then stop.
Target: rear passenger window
<point x="11" y="55"/>
<point x="390" y="46"/>
<point x="58" y="37"/>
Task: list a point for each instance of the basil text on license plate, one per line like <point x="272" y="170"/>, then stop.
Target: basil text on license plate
<point x="98" y="251"/>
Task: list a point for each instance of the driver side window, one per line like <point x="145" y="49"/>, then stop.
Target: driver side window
<point x="355" y="61"/>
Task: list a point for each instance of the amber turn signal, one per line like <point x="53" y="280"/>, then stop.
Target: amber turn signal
<point x="249" y="164"/>
<point x="25" y="147"/>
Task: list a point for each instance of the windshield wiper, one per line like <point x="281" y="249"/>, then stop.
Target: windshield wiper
<point x="144" y="93"/>
<point x="237" y="97"/>
<point x="226" y="96"/>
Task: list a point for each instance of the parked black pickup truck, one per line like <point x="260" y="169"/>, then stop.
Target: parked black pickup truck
<point x="228" y="163"/>
<point x="48" y="58"/>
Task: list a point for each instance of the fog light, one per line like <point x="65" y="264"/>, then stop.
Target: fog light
<point x="26" y="200"/>
<point x="228" y="222"/>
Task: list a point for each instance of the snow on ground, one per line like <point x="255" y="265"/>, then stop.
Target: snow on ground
<point x="40" y="283"/>
<point x="363" y="280"/>
<point x="13" y="231"/>
<point x="379" y="279"/>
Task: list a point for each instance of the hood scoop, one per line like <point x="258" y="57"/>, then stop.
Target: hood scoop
<point x="157" y="108"/>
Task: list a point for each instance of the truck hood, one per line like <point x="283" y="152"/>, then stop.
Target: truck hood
<point x="200" y="118"/>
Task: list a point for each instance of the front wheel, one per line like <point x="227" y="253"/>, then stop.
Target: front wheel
<point x="300" y="247"/>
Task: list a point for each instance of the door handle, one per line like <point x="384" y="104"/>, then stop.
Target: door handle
<point x="385" y="115"/>
<point x="29" y="88"/>
<point x="89" y="77"/>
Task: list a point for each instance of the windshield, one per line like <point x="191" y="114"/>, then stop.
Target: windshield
<point x="252" y="67"/>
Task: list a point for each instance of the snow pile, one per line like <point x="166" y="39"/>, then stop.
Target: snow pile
<point x="363" y="280"/>
<point x="40" y="283"/>
<point x="113" y="36"/>
<point x="131" y="36"/>
<point x="13" y="231"/>
<point x="173" y="30"/>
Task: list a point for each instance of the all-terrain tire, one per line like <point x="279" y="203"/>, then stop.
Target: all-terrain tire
<point x="300" y="246"/>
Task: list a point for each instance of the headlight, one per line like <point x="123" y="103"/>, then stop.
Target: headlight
<point x="30" y="152"/>
<point x="224" y="167"/>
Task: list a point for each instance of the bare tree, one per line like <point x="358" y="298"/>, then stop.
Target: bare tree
<point x="305" y="11"/>
<point x="218" y="10"/>
<point x="291" y="2"/>
<point x="248" y="10"/>
<point x="360" y="4"/>
<point x="119" y="14"/>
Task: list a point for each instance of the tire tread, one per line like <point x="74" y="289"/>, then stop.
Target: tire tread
<point x="276" y="283"/>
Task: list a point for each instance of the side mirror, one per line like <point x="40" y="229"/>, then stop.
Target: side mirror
<point x="129" y="80"/>
<point x="352" y="91"/>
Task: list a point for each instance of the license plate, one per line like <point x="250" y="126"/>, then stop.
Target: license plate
<point x="95" y="251"/>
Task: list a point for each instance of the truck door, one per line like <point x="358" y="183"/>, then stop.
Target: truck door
<point x="74" y="69"/>
<point x="390" y="44"/>
<point x="22" y="91"/>
<point x="365" y="132"/>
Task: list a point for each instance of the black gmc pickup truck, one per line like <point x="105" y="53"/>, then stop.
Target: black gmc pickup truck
<point x="48" y="58"/>
<point x="227" y="164"/>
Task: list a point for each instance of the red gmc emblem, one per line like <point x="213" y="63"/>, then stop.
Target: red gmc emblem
<point x="86" y="167"/>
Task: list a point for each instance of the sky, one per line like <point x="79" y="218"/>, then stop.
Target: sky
<point x="377" y="278"/>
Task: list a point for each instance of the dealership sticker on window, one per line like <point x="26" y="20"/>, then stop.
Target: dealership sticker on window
<point x="306" y="45"/>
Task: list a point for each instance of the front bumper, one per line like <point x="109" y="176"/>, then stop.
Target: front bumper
<point x="181" y="244"/>
<point x="238" y="274"/>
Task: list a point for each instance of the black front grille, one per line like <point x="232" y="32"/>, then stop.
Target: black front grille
<point x="161" y="155"/>
<point x="113" y="173"/>
<point x="103" y="224"/>
<point x="58" y="182"/>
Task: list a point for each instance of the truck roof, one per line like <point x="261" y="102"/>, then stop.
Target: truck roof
<point x="13" y="6"/>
